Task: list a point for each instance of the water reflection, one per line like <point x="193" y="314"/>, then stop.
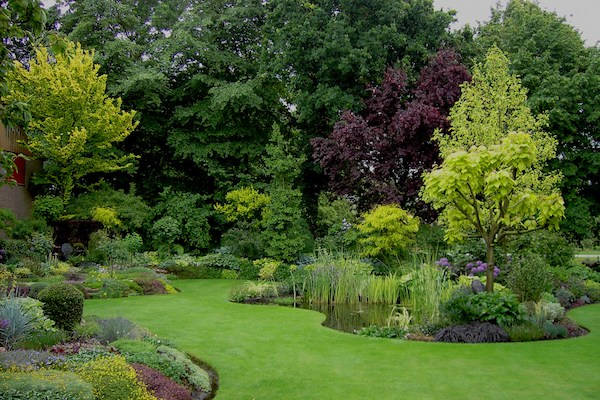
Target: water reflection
<point x="351" y="317"/>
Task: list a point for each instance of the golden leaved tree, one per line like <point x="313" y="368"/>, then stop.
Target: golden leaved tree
<point x="73" y="125"/>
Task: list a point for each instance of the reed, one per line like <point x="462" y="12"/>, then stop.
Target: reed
<point x="429" y="286"/>
<point x="347" y="280"/>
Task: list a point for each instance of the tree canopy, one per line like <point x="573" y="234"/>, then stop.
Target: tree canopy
<point x="73" y="124"/>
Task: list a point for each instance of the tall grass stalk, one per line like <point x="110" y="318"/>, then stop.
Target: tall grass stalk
<point x="428" y="288"/>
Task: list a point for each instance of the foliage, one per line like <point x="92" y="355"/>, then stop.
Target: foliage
<point x="86" y="329"/>
<point x="159" y="385"/>
<point x="44" y="385"/>
<point x="28" y="360"/>
<point x="15" y="322"/>
<point x="555" y="331"/>
<point x="285" y="232"/>
<point x="336" y="216"/>
<point x="243" y="205"/>
<point x="183" y="219"/>
<point x="387" y="231"/>
<point x="130" y="208"/>
<point x="196" y="376"/>
<point x="48" y="208"/>
<point x="428" y="287"/>
<point x="252" y="291"/>
<point x="524" y="332"/>
<point x="478" y="332"/>
<point x="529" y="277"/>
<point x="390" y="332"/>
<point x="560" y="74"/>
<point x="113" y="379"/>
<point x="493" y="192"/>
<point x="21" y="20"/>
<point x="112" y="329"/>
<point x="107" y="217"/>
<point x="62" y="303"/>
<point x="380" y="153"/>
<point x="465" y="307"/>
<point x="552" y="246"/>
<point x="32" y="308"/>
<point x="327" y="52"/>
<point x="77" y="138"/>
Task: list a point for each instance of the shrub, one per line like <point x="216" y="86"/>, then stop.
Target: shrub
<point x="27" y="360"/>
<point x="220" y="261"/>
<point x="564" y="296"/>
<point x="196" y="376"/>
<point x="249" y="271"/>
<point x="113" y="379"/>
<point x="112" y="329"/>
<point x="479" y="332"/>
<point x="229" y="274"/>
<point x="592" y="290"/>
<point x="130" y="346"/>
<point x="39" y="340"/>
<point x="15" y="323"/>
<point x="390" y="332"/>
<point x="268" y="269"/>
<point x="44" y="385"/>
<point x="498" y="307"/>
<point x="525" y="332"/>
<point x="251" y="291"/>
<point x="62" y="303"/>
<point x="33" y="309"/>
<point x="151" y="286"/>
<point x="529" y="277"/>
<point x="554" y="248"/>
<point x="113" y="288"/>
<point x="166" y="230"/>
<point x="555" y="331"/>
<point x="159" y="385"/>
<point x="49" y="208"/>
<point x="86" y="329"/>
<point x="387" y="230"/>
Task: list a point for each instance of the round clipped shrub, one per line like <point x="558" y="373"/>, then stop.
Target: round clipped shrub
<point x="62" y="303"/>
<point x="113" y="379"/>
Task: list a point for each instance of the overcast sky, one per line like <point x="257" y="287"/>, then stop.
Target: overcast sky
<point x="582" y="14"/>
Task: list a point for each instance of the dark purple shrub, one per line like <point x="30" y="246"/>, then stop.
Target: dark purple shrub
<point x="479" y="332"/>
<point x="159" y="385"/>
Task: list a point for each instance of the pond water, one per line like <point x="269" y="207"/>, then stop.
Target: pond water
<point x="351" y="317"/>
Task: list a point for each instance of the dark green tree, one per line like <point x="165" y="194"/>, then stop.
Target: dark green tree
<point x="285" y="234"/>
<point x="562" y="77"/>
<point x="328" y="51"/>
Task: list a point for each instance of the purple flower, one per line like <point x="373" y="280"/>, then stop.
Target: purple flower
<point x="443" y="262"/>
<point x="4" y="323"/>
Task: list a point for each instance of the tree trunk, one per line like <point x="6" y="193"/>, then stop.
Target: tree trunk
<point x="489" y="283"/>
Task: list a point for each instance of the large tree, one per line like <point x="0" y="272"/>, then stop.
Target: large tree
<point x="380" y="153"/>
<point x="327" y="52"/>
<point x="73" y="124"/>
<point x="562" y="78"/>
<point x="492" y="183"/>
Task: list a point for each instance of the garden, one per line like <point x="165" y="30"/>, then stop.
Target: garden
<point x="271" y="200"/>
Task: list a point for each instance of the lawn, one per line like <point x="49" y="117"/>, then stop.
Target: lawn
<point x="272" y="352"/>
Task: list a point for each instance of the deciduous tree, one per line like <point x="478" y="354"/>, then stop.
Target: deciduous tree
<point x="74" y="125"/>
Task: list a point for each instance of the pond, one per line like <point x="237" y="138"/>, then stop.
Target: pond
<point x="352" y="317"/>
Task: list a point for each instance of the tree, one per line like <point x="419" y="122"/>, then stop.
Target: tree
<point x="562" y="79"/>
<point x="380" y="153"/>
<point x="285" y="233"/>
<point x="74" y="125"/>
<point x="18" y="20"/>
<point x="327" y="52"/>
<point x="493" y="192"/>
<point x="479" y="191"/>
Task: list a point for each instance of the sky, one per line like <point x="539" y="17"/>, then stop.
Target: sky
<point x="582" y="14"/>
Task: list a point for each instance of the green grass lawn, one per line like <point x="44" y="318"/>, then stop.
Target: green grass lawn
<point x="272" y="352"/>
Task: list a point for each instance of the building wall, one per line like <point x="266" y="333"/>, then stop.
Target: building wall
<point x="17" y="197"/>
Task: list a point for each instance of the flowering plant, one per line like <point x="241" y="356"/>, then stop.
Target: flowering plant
<point x="478" y="267"/>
